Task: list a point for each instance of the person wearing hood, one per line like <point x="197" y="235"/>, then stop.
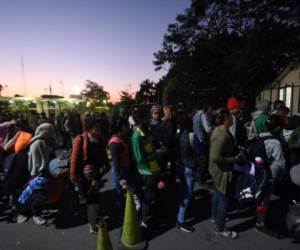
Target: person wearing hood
<point x="34" y="195"/>
<point x="155" y="127"/>
<point x="259" y="118"/>
<point x="41" y="146"/>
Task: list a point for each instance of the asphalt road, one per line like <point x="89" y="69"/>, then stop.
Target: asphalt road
<point x="75" y="235"/>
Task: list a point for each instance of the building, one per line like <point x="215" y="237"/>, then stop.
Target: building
<point x="285" y="87"/>
<point x="50" y="104"/>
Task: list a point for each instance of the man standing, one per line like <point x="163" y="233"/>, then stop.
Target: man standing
<point x="145" y="158"/>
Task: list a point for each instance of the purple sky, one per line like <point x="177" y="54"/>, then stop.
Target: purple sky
<point x="108" y="41"/>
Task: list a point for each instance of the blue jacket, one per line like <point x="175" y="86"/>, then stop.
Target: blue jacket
<point x="38" y="183"/>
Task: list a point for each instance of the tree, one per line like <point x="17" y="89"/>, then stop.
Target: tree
<point x="233" y="47"/>
<point x="1" y="89"/>
<point x="147" y="93"/>
<point x="95" y="94"/>
<point x="126" y="99"/>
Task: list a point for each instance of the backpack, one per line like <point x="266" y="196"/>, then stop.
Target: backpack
<point x="256" y="148"/>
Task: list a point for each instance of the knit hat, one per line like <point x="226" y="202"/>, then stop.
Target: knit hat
<point x="156" y="107"/>
<point x="233" y="103"/>
<point x="263" y="105"/>
<point x="89" y="170"/>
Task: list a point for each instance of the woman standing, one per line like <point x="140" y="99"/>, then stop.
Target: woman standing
<point x="88" y="163"/>
<point x="222" y="156"/>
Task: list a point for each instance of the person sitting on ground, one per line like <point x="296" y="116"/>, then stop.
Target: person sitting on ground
<point x="21" y="139"/>
<point x="41" y="148"/>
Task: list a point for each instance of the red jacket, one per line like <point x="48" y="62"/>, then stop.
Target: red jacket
<point x="79" y="156"/>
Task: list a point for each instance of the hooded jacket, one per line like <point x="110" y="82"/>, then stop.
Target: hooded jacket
<point x="257" y="125"/>
<point x="275" y="153"/>
<point x="38" y="155"/>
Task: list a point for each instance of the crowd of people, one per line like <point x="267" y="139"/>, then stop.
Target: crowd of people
<point x="246" y="156"/>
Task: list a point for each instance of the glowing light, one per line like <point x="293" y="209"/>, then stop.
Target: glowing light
<point x="76" y="90"/>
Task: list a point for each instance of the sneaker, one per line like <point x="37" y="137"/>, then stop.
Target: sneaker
<point x="228" y="234"/>
<point x="144" y="224"/>
<point x="22" y="218"/>
<point x="185" y="228"/>
<point x="81" y="200"/>
<point x="39" y="220"/>
<point x="93" y="229"/>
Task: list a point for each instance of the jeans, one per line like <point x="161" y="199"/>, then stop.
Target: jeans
<point x="219" y="209"/>
<point x="187" y="182"/>
<point x="132" y="181"/>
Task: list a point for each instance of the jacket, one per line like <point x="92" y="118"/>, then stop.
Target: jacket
<point x="186" y="151"/>
<point x="274" y="153"/>
<point x="38" y="155"/>
<point x="79" y="156"/>
<point x="221" y="158"/>
<point x="144" y="153"/>
<point x="201" y="125"/>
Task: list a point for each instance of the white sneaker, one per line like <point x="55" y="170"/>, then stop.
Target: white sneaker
<point x="22" y="218"/>
<point x="144" y="225"/>
<point x="39" y="220"/>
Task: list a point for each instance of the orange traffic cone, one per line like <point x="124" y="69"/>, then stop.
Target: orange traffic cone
<point x="103" y="240"/>
<point x="131" y="235"/>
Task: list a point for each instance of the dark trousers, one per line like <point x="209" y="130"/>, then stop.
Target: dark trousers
<point x="34" y="204"/>
<point x="219" y="209"/>
<point x="149" y="196"/>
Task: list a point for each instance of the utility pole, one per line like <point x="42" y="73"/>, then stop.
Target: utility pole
<point x="62" y="88"/>
<point x="50" y="88"/>
<point x="23" y="75"/>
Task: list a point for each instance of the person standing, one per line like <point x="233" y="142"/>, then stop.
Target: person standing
<point x="145" y="157"/>
<point x="202" y="129"/>
<point x="155" y="127"/>
<point x="186" y="172"/>
<point x="123" y="172"/>
<point x="222" y="156"/>
<point x="88" y="154"/>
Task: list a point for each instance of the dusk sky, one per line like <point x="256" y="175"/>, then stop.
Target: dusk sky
<point x="107" y="41"/>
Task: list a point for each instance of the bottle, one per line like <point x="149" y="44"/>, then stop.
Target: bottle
<point x="259" y="162"/>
